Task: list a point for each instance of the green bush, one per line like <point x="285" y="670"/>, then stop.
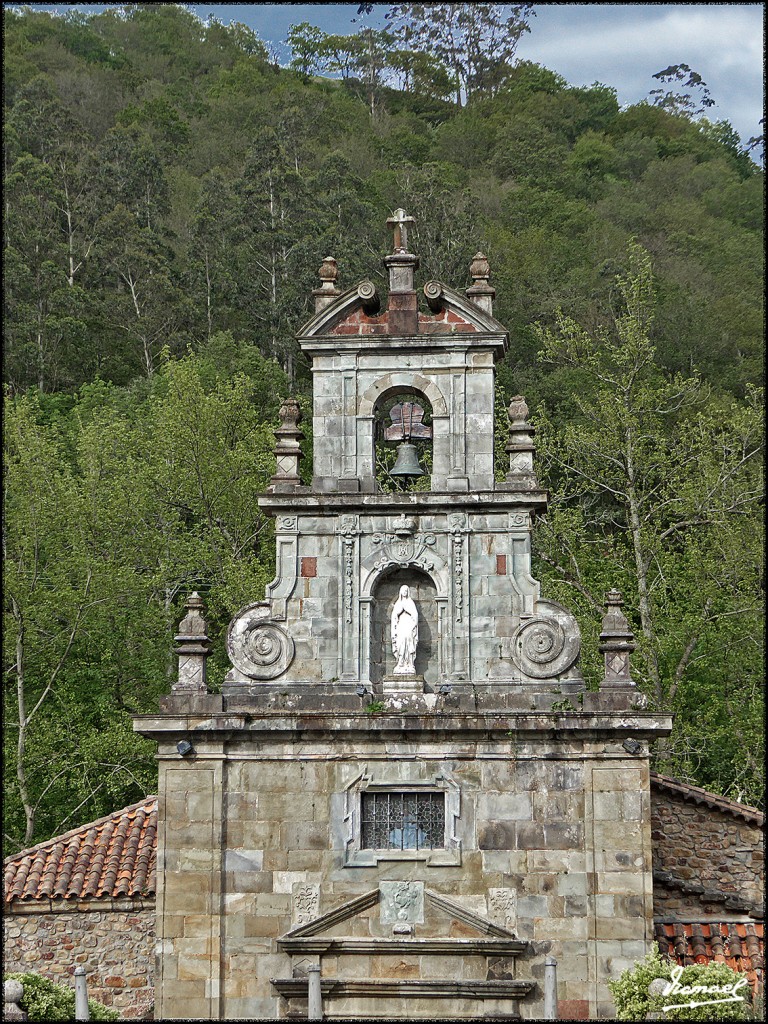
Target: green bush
<point x="46" y="1001"/>
<point x="634" y="1002"/>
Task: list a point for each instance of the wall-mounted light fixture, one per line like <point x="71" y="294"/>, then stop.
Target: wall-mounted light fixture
<point x="185" y="748"/>
<point x="361" y="690"/>
<point x="632" y="746"/>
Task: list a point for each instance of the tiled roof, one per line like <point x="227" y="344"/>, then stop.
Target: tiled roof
<point x="741" y="946"/>
<point x="697" y="795"/>
<point x="113" y="857"/>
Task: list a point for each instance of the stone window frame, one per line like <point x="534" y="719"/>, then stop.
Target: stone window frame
<point x="384" y="780"/>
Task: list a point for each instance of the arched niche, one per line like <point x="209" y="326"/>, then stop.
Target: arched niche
<point x="391" y="384"/>
<point x="393" y="416"/>
<point x="385" y="593"/>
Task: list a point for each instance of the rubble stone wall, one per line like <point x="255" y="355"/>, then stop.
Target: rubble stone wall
<point x="114" y="940"/>
<point x="704" y="846"/>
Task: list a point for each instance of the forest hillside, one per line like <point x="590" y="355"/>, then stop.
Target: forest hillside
<point x="170" y="193"/>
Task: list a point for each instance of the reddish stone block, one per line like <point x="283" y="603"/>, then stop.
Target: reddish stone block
<point x="501" y="565"/>
<point x="309" y="567"/>
<point x="573" y="1009"/>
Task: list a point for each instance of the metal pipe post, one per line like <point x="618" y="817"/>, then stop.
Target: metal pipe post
<point x="81" y="995"/>
<point x="315" y="1000"/>
<point x="550" y="988"/>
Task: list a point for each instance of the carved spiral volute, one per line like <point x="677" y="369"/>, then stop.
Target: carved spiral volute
<point x="258" y="647"/>
<point x="544" y="647"/>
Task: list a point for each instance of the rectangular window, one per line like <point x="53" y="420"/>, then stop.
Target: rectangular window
<point x="402" y="821"/>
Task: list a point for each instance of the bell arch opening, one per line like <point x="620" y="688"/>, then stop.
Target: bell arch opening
<point x="402" y="440"/>
<point x="423" y="592"/>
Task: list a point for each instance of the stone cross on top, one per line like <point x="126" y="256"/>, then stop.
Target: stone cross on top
<point x="398" y="222"/>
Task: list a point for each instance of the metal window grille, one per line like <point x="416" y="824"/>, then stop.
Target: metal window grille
<point x="403" y="821"/>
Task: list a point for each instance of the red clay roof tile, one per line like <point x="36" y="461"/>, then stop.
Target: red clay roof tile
<point x="112" y="857"/>
<point x="740" y="945"/>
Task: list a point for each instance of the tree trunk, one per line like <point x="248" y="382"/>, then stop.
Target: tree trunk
<point x="21" y="745"/>
<point x="208" y="294"/>
<point x="641" y="569"/>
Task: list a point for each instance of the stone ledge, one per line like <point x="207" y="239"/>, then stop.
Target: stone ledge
<point x="405" y="946"/>
<point x="441" y="724"/>
<point x="381" y="344"/>
<point x="425" y="501"/>
<point x="425" y="988"/>
<point x="79" y="906"/>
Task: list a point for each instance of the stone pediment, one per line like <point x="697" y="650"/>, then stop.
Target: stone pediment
<point x="352" y="314"/>
<point x="405" y="909"/>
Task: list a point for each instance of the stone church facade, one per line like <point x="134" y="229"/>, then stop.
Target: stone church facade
<point x="418" y="817"/>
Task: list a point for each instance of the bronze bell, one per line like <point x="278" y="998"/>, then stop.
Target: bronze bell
<point x="407" y="462"/>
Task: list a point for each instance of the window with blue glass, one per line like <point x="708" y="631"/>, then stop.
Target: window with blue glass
<point x="402" y="821"/>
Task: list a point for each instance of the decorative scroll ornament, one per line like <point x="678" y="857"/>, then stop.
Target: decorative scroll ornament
<point x="259" y="648"/>
<point x="544" y="648"/>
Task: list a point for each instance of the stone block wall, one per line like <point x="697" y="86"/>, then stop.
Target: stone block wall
<point x="457" y="384"/>
<point x="706" y="846"/>
<point x="114" y="940"/>
<point x="550" y="839"/>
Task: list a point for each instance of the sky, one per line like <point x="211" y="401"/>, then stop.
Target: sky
<point x="622" y="45"/>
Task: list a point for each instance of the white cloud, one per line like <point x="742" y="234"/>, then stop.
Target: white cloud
<point x="624" y="45"/>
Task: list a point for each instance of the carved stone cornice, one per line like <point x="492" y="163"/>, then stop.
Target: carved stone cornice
<point x="446" y="947"/>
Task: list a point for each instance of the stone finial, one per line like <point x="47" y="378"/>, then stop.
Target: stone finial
<point x="521" y="475"/>
<point x="481" y="292"/>
<point x="287" y="447"/>
<point x="192" y="648"/>
<point x="616" y="644"/>
<point x="327" y="292"/>
<point x="517" y="410"/>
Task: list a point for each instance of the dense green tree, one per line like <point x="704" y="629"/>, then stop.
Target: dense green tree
<point x="476" y="43"/>
<point x="113" y="516"/>
<point x="169" y="195"/>
<point x="657" y="487"/>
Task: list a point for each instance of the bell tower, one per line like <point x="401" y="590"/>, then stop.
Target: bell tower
<point x="401" y="801"/>
<point x="460" y="539"/>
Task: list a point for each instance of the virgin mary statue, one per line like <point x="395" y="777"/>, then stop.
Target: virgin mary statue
<point x="405" y="633"/>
